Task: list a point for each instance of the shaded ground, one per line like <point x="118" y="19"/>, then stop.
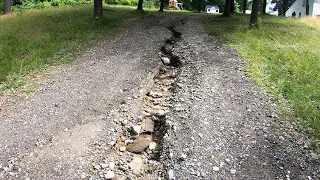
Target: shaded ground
<point x="219" y="123"/>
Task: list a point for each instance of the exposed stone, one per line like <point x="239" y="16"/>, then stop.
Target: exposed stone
<point x="152" y="145"/>
<point x="141" y="143"/>
<point x="136" y="130"/>
<point x="216" y="168"/>
<point x="136" y="165"/>
<point x="170" y="174"/>
<point x="147" y="125"/>
<point x="165" y="60"/>
<point x="112" y="165"/>
<point x="122" y="148"/>
<point x="109" y="175"/>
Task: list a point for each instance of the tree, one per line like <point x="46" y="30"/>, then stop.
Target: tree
<point x="284" y="7"/>
<point x="98" y="9"/>
<point x="161" y="5"/>
<point x="244" y="6"/>
<point x="7" y="6"/>
<point x="226" y="12"/>
<point x="307" y="7"/>
<point x="199" y="5"/>
<point x="140" y="3"/>
<point x="232" y="7"/>
<point x="254" y="14"/>
<point x="264" y="5"/>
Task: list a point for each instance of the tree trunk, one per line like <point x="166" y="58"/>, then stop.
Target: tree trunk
<point x="232" y="7"/>
<point x="254" y="14"/>
<point x="140" y="5"/>
<point x="307" y="7"/>
<point x="98" y="9"/>
<point x="284" y="7"/>
<point x="7" y="6"/>
<point x="161" y="5"/>
<point x="199" y="5"/>
<point x="226" y="12"/>
<point x="244" y="6"/>
<point x="264" y="5"/>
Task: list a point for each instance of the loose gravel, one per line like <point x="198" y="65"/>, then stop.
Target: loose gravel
<point x="87" y="121"/>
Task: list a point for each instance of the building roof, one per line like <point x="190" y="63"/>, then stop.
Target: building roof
<point x="212" y="7"/>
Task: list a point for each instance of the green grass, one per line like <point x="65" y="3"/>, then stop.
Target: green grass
<point x="283" y="56"/>
<point x="33" y="38"/>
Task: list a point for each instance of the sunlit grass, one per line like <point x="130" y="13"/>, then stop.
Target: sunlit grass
<point x="283" y="56"/>
<point x="34" y="38"/>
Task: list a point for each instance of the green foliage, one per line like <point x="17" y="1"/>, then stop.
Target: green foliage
<point x="34" y="38"/>
<point x="282" y="57"/>
<point x="236" y="7"/>
<point x="123" y="2"/>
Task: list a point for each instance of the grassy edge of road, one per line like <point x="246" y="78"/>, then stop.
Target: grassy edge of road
<point x="282" y="56"/>
<point x="31" y="40"/>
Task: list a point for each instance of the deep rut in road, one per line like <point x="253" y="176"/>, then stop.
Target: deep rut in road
<point x="145" y="140"/>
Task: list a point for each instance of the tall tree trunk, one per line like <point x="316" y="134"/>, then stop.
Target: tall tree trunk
<point x="244" y="6"/>
<point x="226" y="12"/>
<point x="284" y="7"/>
<point x="161" y="5"/>
<point x="264" y="5"/>
<point x="140" y="3"/>
<point x="307" y="7"/>
<point x="254" y="14"/>
<point x="232" y="7"/>
<point x="199" y="5"/>
<point x="7" y="6"/>
<point x="98" y="9"/>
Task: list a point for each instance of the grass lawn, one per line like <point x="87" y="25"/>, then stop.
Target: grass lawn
<point x="34" y="38"/>
<point x="283" y="56"/>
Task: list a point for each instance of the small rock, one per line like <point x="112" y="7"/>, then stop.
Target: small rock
<point x="160" y="113"/>
<point x="152" y="145"/>
<point x="97" y="167"/>
<point x="123" y="138"/>
<point x="233" y="171"/>
<point x="140" y="144"/>
<point x="83" y="175"/>
<point x="128" y="141"/>
<point x="124" y="122"/>
<point x="216" y="168"/>
<point x="147" y="125"/>
<point x="104" y="165"/>
<point x="112" y="143"/>
<point x="165" y="60"/>
<point x="183" y="157"/>
<point x="170" y="174"/>
<point x="136" y="165"/>
<point x="136" y="130"/>
<point x="112" y="165"/>
<point x="109" y="175"/>
<point x="122" y="148"/>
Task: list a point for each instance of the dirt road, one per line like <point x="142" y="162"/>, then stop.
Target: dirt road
<point x="209" y="121"/>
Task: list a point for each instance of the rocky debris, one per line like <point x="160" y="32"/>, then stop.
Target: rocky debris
<point x="140" y="144"/>
<point x="170" y="174"/>
<point x="109" y="175"/>
<point x="165" y="60"/>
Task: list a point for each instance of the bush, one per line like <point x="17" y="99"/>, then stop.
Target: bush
<point x="1" y="6"/>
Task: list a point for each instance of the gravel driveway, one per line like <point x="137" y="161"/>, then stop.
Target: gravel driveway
<point x="218" y="124"/>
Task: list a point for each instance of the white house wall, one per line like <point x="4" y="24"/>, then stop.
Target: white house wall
<point x="316" y="9"/>
<point x="298" y="7"/>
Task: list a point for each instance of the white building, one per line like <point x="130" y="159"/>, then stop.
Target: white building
<point x="270" y="8"/>
<point x="212" y="9"/>
<point x="298" y="8"/>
